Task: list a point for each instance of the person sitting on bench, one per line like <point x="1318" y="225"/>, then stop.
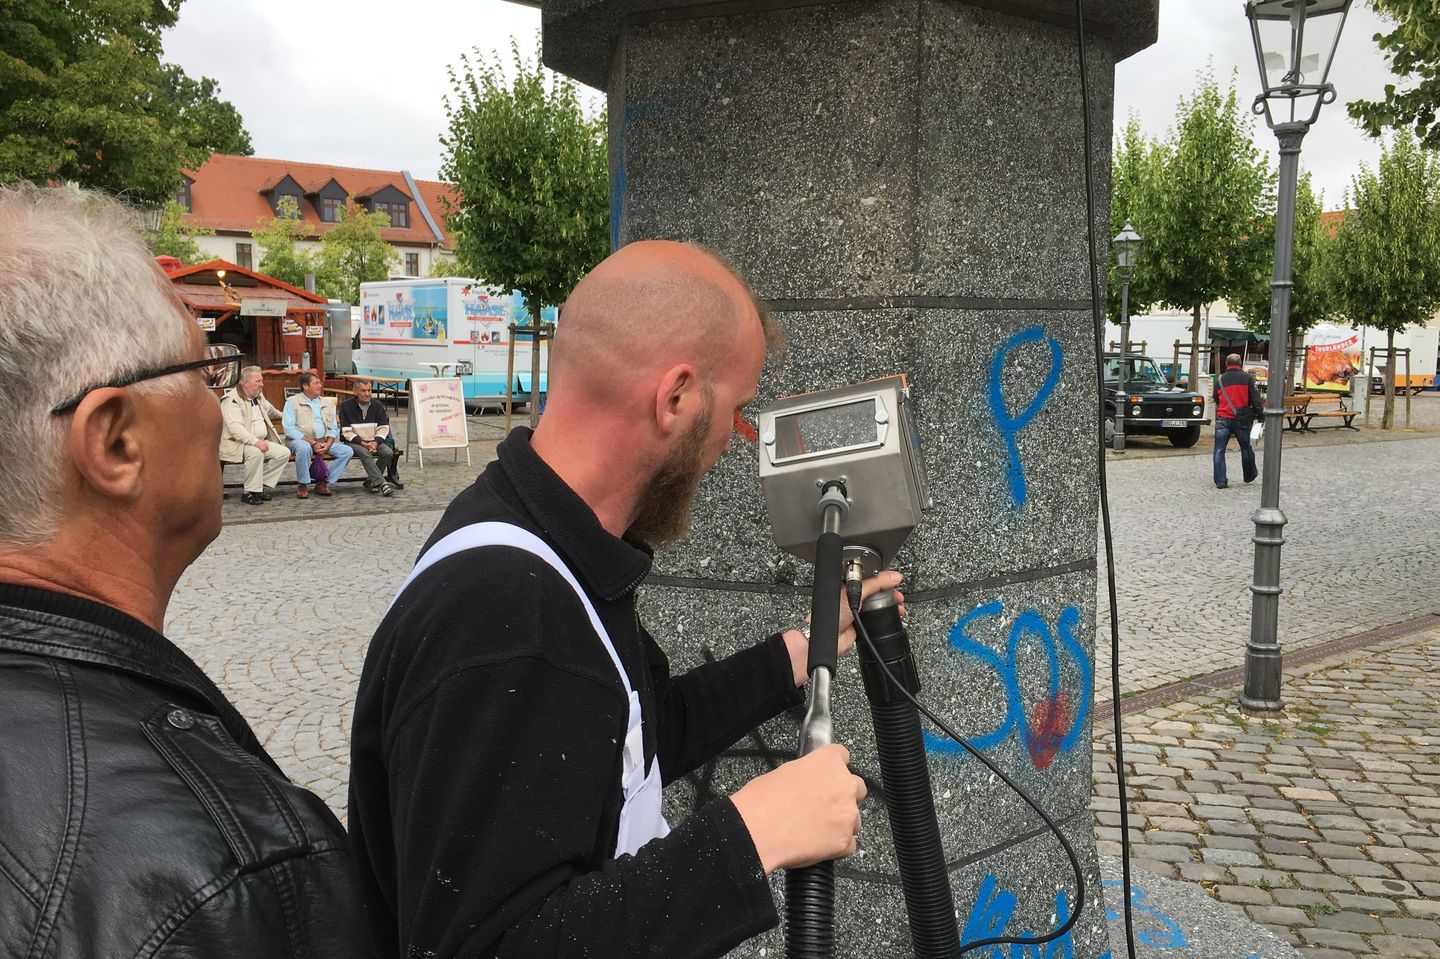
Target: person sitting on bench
<point x="369" y="441"/>
<point x="312" y="431"/>
<point x="249" y="437"/>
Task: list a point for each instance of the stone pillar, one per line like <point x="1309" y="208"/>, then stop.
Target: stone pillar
<point x="903" y="182"/>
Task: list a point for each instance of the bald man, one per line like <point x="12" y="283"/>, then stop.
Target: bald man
<point x="515" y="722"/>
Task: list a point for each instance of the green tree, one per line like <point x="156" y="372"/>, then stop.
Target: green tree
<point x="1311" y="296"/>
<point x="1386" y="265"/>
<point x="352" y="252"/>
<point x="278" y="256"/>
<point x="84" y="97"/>
<point x="1206" y="224"/>
<point x="1134" y="178"/>
<point x="173" y="238"/>
<point x="446" y="267"/>
<point x="531" y="171"/>
<point x="1413" y="51"/>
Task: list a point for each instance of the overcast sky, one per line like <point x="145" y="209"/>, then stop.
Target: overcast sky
<point x="359" y="83"/>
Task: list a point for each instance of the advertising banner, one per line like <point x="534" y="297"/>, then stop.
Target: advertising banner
<point x="409" y="314"/>
<point x="438" y="407"/>
<point x="1332" y="356"/>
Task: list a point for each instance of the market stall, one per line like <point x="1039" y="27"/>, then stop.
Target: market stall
<point x="275" y="326"/>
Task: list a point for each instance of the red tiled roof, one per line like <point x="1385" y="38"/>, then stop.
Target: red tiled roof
<point x="1330" y="220"/>
<point x="227" y="195"/>
<point x="209" y="295"/>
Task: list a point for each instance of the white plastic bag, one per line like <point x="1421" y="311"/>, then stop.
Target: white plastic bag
<point x="1257" y="432"/>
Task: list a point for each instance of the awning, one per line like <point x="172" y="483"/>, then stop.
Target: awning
<point x="1238" y="336"/>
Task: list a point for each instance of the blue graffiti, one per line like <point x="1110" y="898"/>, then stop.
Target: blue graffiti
<point x="1010" y="426"/>
<point x="1171" y="937"/>
<point x="991" y="913"/>
<point x="993" y="909"/>
<point x="1044" y="729"/>
<point x="620" y="181"/>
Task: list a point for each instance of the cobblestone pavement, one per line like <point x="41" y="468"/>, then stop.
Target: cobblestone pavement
<point x="289" y="645"/>
<point x="1323" y="825"/>
<point x="1361" y="544"/>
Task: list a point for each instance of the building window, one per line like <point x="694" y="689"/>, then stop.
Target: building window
<point x="399" y="213"/>
<point x="243" y="256"/>
<point x="280" y="204"/>
<point x="412" y="264"/>
<point x="331" y="209"/>
<point x="182" y="195"/>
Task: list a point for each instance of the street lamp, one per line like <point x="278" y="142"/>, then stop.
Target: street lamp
<point x="1295" y="43"/>
<point x="1127" y="250"/>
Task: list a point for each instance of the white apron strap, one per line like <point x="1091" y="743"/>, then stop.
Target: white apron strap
<point x="640" y="817"/>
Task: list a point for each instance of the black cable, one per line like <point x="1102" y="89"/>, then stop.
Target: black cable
<point x="1098" y="318"/>
<point x="944" y="727"/>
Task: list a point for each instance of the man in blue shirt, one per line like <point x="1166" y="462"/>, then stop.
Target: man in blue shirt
<point x="311" y="431"/>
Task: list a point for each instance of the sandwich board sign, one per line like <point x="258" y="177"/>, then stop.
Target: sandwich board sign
<point x="437" y="417"/>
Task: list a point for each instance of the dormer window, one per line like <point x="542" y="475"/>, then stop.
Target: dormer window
<point x="386" y="199"/>
<point x="182" y="195"/>
<point x="332" y="209"/>
<point x="399" y="213"/>
<point x="281" y="188"/>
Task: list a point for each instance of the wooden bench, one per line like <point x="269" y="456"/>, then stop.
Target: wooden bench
<point x="1330" y="406"/>
<point x="1296" y="411"/>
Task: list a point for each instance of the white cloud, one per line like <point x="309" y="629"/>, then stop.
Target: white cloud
<point x="360" y="83"/>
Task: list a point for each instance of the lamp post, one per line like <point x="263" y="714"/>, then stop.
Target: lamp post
<point x="1127" y="249"/>
<point x="1292" y="38"/>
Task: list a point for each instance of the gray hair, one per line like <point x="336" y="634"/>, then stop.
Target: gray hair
<point x="81" y="302"/>
<point x="248" y="372"/>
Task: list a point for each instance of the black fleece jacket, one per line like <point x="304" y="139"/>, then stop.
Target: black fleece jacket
<point x="486" y="751"/>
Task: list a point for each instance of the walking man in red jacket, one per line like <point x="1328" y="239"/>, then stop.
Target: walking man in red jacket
<point x="1237" y="403"/>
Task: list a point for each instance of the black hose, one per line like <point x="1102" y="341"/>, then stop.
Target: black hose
<point x="934" y="931"/>
<point x="810" y="912"/>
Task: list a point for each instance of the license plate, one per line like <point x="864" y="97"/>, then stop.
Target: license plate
<point x="1174" y="424"/>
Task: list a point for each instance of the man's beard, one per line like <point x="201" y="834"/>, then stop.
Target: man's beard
<point x="662" y="514"/>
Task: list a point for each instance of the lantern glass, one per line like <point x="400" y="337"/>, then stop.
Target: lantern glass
<point x="1127" y="250"/>
<point x="1295" y="42"/>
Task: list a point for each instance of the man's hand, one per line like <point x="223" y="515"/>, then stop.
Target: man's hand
<point x="323" y="446"/>
<point x="262" y="446"/>
<point x="805" y="812"/>
<point x="799" y="647"/>
<point x="372" y="447"/>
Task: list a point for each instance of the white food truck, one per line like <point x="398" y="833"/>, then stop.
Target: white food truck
<point x="446" y="327"/>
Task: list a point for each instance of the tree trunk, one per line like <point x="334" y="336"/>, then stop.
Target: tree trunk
<point x="1387" y="420"/>
<point x="1195" y="384"/>
<point x="535" y="363"/>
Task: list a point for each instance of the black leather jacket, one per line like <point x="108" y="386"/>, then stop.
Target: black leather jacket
<point x="139" y="816"/>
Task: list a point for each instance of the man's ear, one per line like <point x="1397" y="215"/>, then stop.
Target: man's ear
<point x="104" y="445"/>
<point x="676" y="390"/>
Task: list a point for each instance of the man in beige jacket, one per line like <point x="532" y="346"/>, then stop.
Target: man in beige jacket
<point x="249" y="437"/>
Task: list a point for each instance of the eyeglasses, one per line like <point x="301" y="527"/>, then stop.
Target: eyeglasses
<point x="221" y="370"/>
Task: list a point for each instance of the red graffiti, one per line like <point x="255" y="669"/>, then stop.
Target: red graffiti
<point x="1051" y="723"/>
<point x="745" y="429"/>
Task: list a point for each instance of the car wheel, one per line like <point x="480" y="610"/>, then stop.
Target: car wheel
<point x="1187" y="438"/>
<point x="1109" y="430"/>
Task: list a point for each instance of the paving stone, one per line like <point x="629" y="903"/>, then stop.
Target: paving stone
<point x="1416" y="928"/>
<point x="1365" y="903"/>
<point x="1283" y="916"/>
<point x="1244" y="895"/>
<point x="1334" y="938"/>
<point x="1204" y="872"/>
<point x="1229" y="857"/>
<point x="1358" y="867"/>
<point x="1405" y="946"/>
<point x="1348" y="921"/>
<point x="1422" y="908"/>
<point x="1383" y="887"/>
<point x="1300" y="897"/>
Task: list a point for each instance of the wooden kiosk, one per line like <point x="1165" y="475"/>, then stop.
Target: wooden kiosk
<point x="273" y="324"/>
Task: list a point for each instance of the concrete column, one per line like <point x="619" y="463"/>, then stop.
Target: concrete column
<point x="903" y="181"/>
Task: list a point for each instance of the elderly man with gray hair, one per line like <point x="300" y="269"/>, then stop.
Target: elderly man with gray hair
<point x="139" y="814"/>
<point x="249" y="437"/>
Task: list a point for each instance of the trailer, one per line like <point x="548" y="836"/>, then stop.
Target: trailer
<point x="447" y="327"/>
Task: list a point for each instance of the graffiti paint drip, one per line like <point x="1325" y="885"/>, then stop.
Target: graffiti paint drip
<point x="1050" y="726"/>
